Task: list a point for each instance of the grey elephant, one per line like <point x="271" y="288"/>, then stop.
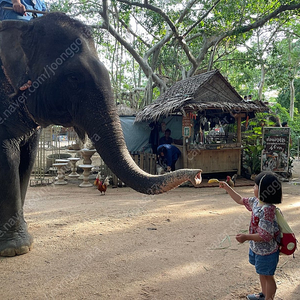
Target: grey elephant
<point x="65" y="84"/>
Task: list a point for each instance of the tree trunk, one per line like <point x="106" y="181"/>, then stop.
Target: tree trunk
<point x="262" y="82"/>
<point x="292" y="98"/>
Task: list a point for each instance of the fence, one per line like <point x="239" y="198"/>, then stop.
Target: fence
<point x="54" y="144"/>
<point x="146" y="161"/>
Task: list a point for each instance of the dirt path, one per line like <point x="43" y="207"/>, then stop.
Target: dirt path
<point x="125" y="245"/>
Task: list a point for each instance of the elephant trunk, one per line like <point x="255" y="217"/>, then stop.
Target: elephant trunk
<point x="108" y="138"/>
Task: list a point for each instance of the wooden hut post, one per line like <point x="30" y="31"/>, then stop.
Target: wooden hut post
<point x="239" y="128"/>
<point x="184" y="153"/>
<point x="239" y="140"/>
<point x="186" y="122"/>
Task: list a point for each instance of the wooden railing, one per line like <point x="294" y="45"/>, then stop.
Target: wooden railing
<point x="146" y="161"/>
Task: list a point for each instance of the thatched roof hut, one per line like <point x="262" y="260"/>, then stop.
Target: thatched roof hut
<point x="206" y="104"/>
<point x="205" y="91"/>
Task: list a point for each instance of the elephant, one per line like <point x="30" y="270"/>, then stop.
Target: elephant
<point x="51" y="74"/>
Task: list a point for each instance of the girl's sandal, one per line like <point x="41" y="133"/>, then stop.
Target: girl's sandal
<point x="259" y="296"/>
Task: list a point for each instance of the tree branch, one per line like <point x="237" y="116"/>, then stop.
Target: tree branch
<point x="144" y="65"/>
<point x="201" y="19"/>
<point x="133" y="33"/>
<point x="264" y="20"/>
<point x="172" y="26"/>
<point x="155" y="9"/>
<point x="186" y="10"/>
<point x="242" y="29"/>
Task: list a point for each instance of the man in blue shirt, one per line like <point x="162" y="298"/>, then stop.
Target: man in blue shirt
<point x="169" y="154"/>
<point x="19" y="9"/>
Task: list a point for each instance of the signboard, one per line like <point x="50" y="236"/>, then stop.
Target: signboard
<point x="275" y="154"/>
<point x="186" y="121"/>
<point x="186" y="126"/>
<point x="186" y="131"/>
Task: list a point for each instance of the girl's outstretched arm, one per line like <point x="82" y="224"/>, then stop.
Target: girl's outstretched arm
<point x="231" y="192"/>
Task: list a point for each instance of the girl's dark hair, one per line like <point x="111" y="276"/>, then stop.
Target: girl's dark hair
<point x="269" y="187"/>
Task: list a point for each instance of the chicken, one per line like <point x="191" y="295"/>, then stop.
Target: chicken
<point x="97" y="180"/>
<point x="102" y="185"/>
<point x="231" y="181"/>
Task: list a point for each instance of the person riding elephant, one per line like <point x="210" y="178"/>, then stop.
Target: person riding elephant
<point x="19" y="8"/>
<point x="69" y="87"/>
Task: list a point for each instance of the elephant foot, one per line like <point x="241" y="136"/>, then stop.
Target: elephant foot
<point x="15" y="243"/>
<point x="15" y="251"/>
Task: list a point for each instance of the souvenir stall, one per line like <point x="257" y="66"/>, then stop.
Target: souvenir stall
<point x="211" y="114"/>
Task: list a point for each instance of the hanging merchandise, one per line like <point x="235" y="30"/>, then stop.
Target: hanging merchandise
<point x="163" y="127"/>
<point x="203" y="121"/>
<point x="206" y="127"/>
<point x="154" y="136"/>
<point x="193" y="116"/>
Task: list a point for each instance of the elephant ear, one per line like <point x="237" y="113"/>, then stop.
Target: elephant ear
<point x="14" y="60"/>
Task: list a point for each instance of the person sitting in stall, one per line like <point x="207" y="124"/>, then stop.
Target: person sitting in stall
<point x="168" y="155"/>
<point x="166" y="139"/>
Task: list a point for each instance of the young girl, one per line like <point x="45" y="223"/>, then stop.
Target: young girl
<point x="264" y="233"/>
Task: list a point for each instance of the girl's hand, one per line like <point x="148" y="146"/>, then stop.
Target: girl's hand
<point x="241" y="238"/>
<point x="222" y="185"/>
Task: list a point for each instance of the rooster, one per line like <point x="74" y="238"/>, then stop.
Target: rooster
<point x="97" y="180"/>
<point x="231" y="181"/>
<point x="102" y="185"/>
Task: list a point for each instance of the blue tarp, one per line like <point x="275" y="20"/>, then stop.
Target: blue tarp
<point x="137" y="134"/>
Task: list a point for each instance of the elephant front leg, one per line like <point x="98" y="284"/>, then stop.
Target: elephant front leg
<point x="14" y="236"/>
<point x="28" y="153"/>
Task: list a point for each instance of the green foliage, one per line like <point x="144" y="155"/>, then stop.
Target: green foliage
<point x="252" y="158"/>
<point x="294" y="124"/>
<point x="284" y="96"/>
<point x="252" y="141"/>
<point x="145" y="28"/>
<point x="281" y="112"/>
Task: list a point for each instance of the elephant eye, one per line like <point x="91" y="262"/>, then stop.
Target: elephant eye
<point x="73" y="79"/>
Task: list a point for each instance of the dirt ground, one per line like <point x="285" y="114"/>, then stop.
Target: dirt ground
<point x="125" y="245"/>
